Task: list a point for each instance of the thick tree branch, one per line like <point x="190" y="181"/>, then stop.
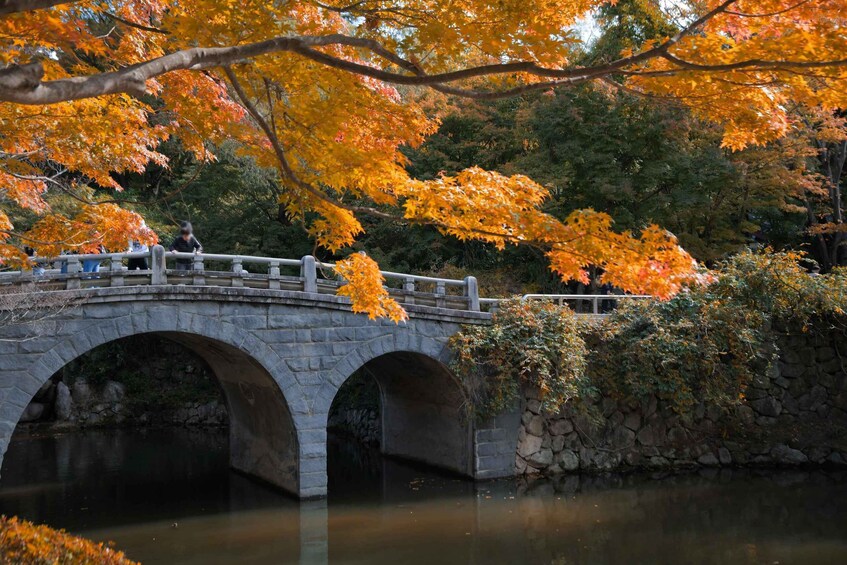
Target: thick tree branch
<point x="22" y="83"/>
<point x="753" y="64"/>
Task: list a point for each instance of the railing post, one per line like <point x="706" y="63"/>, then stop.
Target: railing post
<point x="116" y="268"/>
<point x="237" y="271"/>
<point x="158" y="275"/>
<point x="595" y="305"/>
<point x="199" y="270"/>
<point x="440" y="293"/>
<point x="73" y="274"/>
<point x="472" y="293"/>
<point x="309" y="274"/>
<point x="273" y="276"/>
<point x="409" y="289"/>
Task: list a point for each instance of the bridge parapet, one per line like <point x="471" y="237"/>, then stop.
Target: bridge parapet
<point x="68" y="272"/>
<point x="308" y="275"/>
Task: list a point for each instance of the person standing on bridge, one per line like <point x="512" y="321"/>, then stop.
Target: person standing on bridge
<point x="138" y="263"/>
<point x="185" y="243"/>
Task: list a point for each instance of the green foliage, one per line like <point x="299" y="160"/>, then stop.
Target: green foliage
<point x="705" y="344"/>
<point x="529" y="343"/>
<point x="683" y="350"/>
<point x="709" y="343"/>
<point x="637" y="159"/>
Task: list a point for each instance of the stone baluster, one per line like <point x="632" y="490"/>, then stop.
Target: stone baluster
<point x="309" y="274"/>
<point x="409" y="290"/>
<point x="199" y="271"/>
<point x="237" y="272"/>
<point x="116" y="270"/>
<point x="440" y="294"/>
<point x="472" y="293"/>
<point x="73" y="274"/>
<point x="273" y="275"/>
<point x="158" y="274"/>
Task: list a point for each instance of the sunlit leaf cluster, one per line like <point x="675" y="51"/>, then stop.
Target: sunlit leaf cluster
<point x="24" y="542"/>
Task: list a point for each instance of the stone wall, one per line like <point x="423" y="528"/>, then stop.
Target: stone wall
<point x="795" y="415"/>
<point x="361" y="424"/>
<point x="355" y="410"/>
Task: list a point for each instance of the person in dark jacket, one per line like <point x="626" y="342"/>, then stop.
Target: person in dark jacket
<point x="185" y="243"/>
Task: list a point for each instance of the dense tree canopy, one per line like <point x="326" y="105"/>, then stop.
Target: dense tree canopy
<point x="328" y="94"/>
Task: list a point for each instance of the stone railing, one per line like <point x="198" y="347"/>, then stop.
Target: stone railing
<point x="69" y="272"/>
<point x="594" y="304"/>
<point x="72" y="272"/>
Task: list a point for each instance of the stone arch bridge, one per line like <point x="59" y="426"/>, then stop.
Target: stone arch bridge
<point x="280" y="344"/>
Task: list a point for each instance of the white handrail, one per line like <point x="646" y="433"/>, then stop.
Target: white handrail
<point x="242" y="258"/>
<point x="405" y="276"/>
<point x="114" y="274"/>
<point x="582" y="296"/>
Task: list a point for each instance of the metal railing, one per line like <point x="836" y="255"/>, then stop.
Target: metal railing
<point x="70" y="272"/>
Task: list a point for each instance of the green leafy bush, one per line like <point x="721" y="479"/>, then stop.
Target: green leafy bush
<point x="707" y="343"/>
<point x="529" y="343"/>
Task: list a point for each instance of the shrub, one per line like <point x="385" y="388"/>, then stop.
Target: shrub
<point x="683" y="350"/>
<point x="24" y="542"/>
<point x="529" y="343"/>
<point x="709" y="342"/>
<point x="705" y="344"/>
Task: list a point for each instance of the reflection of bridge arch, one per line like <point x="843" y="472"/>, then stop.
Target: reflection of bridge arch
<point x="281" y="356"/>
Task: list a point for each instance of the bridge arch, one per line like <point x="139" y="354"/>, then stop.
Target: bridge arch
<point x="263" y="430"/>
<point x="422" y="403"/>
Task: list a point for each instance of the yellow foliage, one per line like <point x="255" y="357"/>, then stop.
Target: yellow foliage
<point x="24" y="542"/>
<point x="365" y="289"/>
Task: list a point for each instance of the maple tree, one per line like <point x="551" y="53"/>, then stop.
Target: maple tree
<point x="328" y="93"/>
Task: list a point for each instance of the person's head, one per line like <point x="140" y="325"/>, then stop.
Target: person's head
<point x="185" y="230"/>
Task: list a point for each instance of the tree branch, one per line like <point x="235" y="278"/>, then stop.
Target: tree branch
<point x="22" y="83"/>
<point x="142" y="27"/>
<point x="15" y="6"/>
<point x="753" y="63"/>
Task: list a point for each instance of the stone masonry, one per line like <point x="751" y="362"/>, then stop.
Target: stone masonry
<point x="796" y="415"/>
<point x="280" y="357"/>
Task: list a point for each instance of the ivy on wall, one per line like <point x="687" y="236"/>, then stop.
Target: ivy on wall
<point x="535" y="344"/>
<point x="706" y="343"/>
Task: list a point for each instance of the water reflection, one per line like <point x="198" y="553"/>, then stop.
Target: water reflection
<point x="167" y="497"/>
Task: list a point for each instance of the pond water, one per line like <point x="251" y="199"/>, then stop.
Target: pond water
<point x="167" y="496"/>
